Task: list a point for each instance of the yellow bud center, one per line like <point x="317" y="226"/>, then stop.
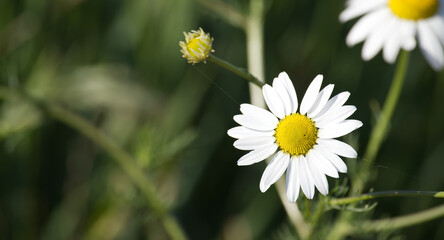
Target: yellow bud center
<point x="296" y="134"/>
<point x="196" y="45"/>
<point x="414" y="9"/>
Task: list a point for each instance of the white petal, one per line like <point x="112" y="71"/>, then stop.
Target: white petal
<point x="393" y="43"/>
<point x="337" y="162"/>
<point x="281" y="90"/>
<point x="311" y="94"/>
<point x="360" y="8"/>
<point x="321" y="100"/>
<point x="333" y="104"/>
<point x="319" y="179"/>
<point x="377" y="38"/>
<point x="338" y="147"/>
<point x="430" y="46"/>
<point x="391" y="50"/>
<point x="257" y="155"/>
<point x="259" y="113"/>
<point x="243" y="132"/>
<point x="437" y="24"/>
<point x="274" y="170"/>
<point x="322" y="163"/>
<point x="293" y="180"/>
<point x="366" y="25"/>
<point x="283" y="76"/>
<point x="335" y="116"/>
<point x="408" y="31"/>
<point x="305" y="180"/>
<point x="256" y="123"/>
<point x="273" y="101"/>
<point x="334" y="159"/>
<point x="248" y="109"/>
<point x="339" y="129"/>
<point x="253" y="142"/>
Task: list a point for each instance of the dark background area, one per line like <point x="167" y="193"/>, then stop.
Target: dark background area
<point x="117" y="63"/>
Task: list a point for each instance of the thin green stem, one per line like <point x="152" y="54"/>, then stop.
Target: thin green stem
<point x="292" y="210"/>
<point x="226" y="12"/>
<point x="317" y="216"/>
<point x="239" y="71"/>
<point x="399" y="222"/>
<point x="125" y="161"/>
<point x="307" y="208"/>
<point x="378" y="133"/>
<point x="376" y="137"/>
<point x="368" y="196"/>
<point x="380" y="129"/>
<point x="255" y="59"/>
<point x="122" y="158"/>
<point x="254" y="33"/>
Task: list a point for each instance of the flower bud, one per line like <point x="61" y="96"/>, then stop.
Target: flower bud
<point x="197" y="46"/>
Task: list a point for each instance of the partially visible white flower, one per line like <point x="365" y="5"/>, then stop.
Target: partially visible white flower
<point x="197" y="46"/>
<point x="301" y="142"/>
<point x="392" y="25"/>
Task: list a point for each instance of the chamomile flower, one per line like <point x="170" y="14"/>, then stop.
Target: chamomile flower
<point x="197" y="46"/>
<point x="302" y="142"/>
<point x="392" y="25"/>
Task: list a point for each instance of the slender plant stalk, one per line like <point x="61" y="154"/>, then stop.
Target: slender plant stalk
<point x="255" y="49"/>
<point x="307" y="211"/>
<point x="122" y="158"/>
<point x="125" y="161"/>
<point x="317" y="216"/>
<point x="239" y="71"/>
<point x="368" y="196"/>
<point x="255" y="57"/>
<point x="399" y="222"/>
<point x="339" y="230"/>
<point x="226" y="11"/>
<point x="292" y="210"/>
<point x="380" y="130"/>
<point x="253" y="26"/>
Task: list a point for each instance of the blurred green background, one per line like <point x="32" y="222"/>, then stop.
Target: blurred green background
<point x="117" y="64"/>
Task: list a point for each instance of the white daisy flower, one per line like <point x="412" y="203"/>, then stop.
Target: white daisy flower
<point x="302" y="142"/>
<point x="393" y="24"/>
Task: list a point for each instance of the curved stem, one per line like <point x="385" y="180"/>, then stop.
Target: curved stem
<point x="226" y="12"/>
<point x="380" y="129"/>
<point x="239" y="71"/>
<point x="317" y="216"/>
<point x="378" y="133"/>
<point x="346" y="200"/>
<point x="125" y="161"/>
<point x="122" y="158"/>
<point x="292" y="210"/>
<point x="400" y="222"/>
<point x="339" y="230"/>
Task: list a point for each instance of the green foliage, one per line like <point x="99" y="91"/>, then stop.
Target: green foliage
<point x="117" y="64"/>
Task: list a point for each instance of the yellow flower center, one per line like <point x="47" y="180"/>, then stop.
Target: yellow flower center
<point x="296" y="134"/>
<point x="414" y="9"/>
<point x="199" y="46"/>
